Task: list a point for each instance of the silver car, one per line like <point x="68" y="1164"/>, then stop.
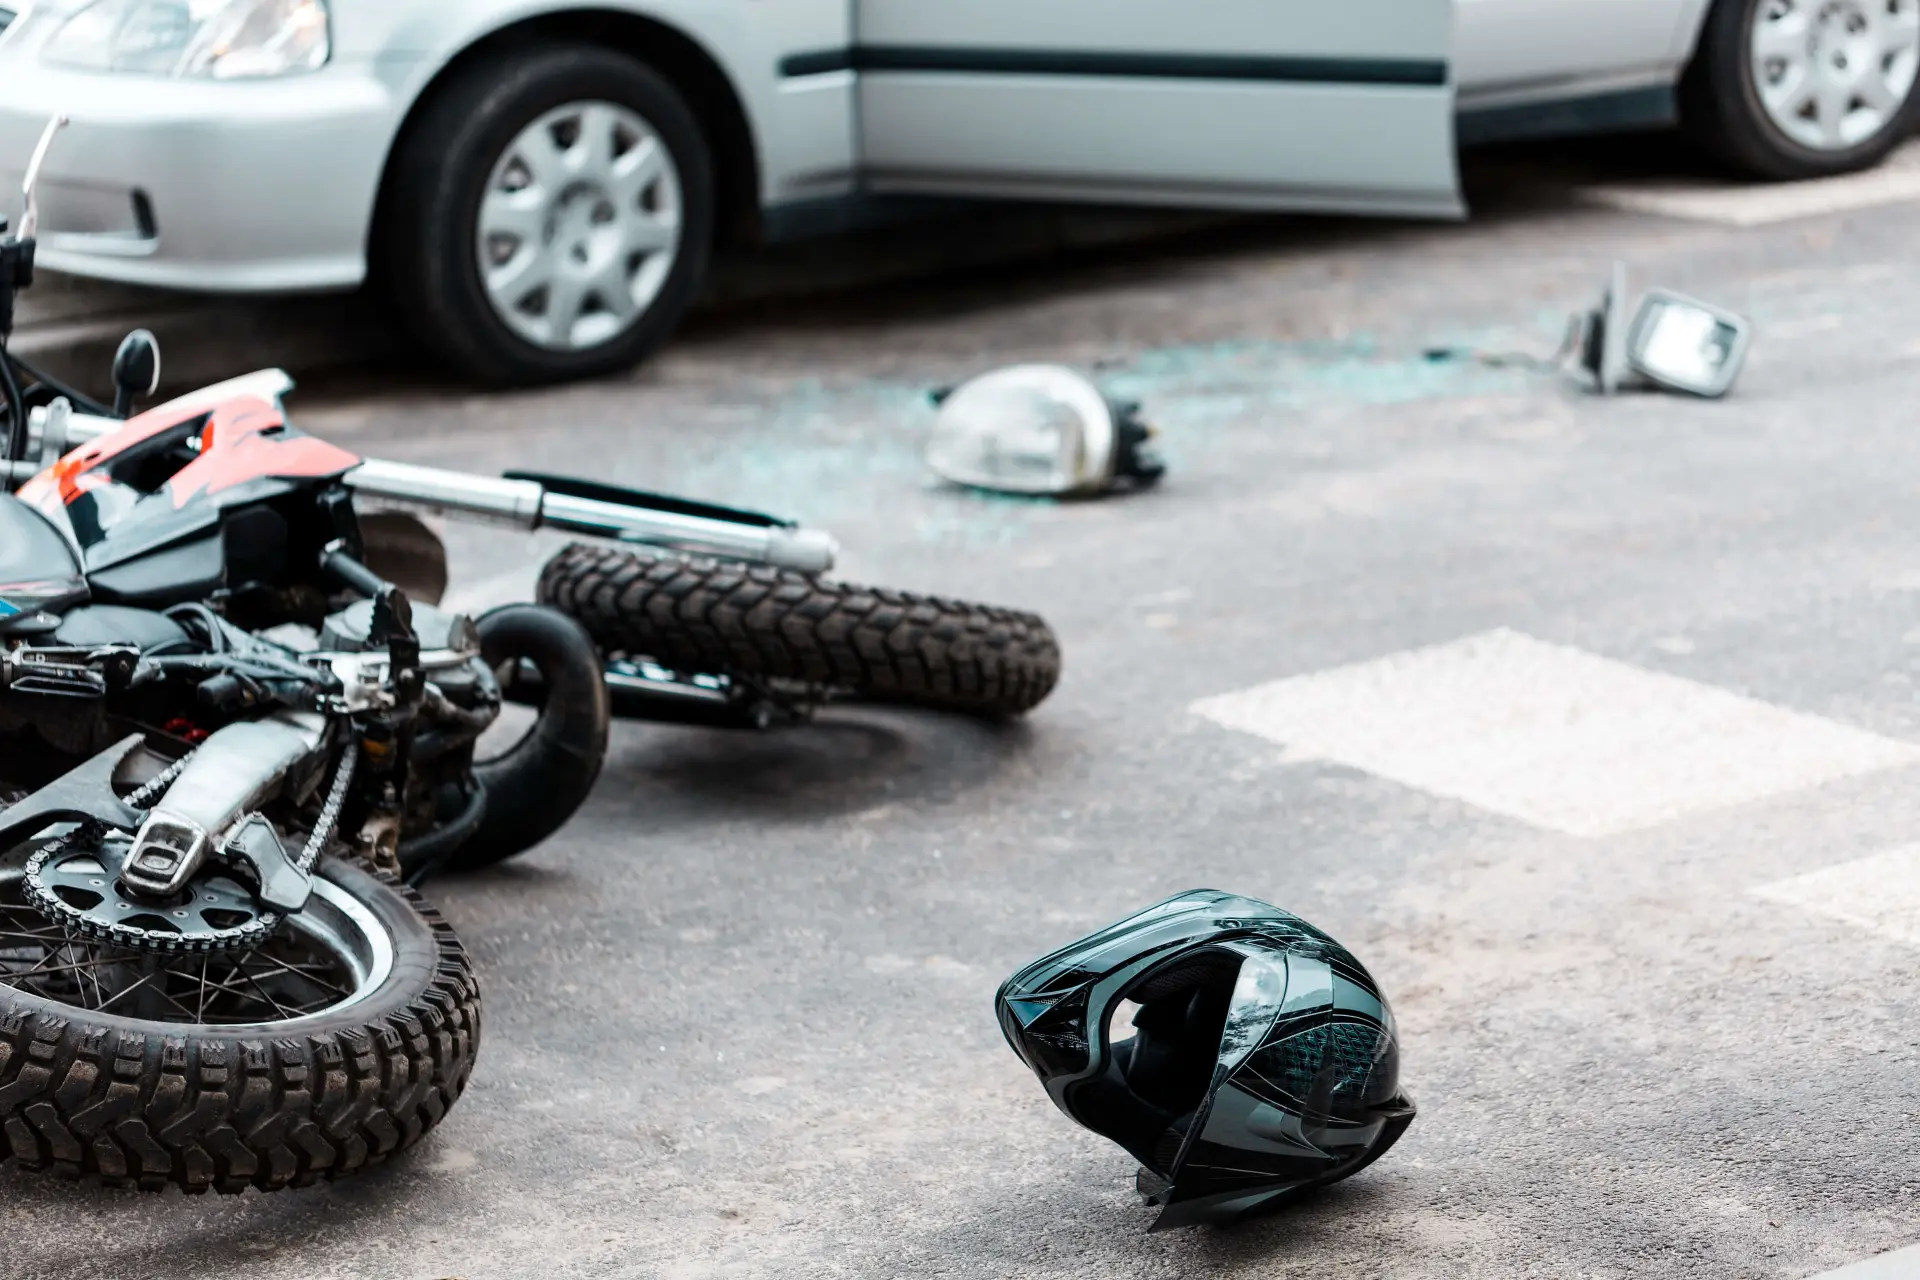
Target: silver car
<point x="537" y="184"/>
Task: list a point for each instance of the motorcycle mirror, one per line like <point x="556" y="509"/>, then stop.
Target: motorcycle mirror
<point x="30" y="205"/>
<point x="136" y="370"/>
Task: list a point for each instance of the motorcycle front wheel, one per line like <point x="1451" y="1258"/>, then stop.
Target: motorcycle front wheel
<point x="335" y="1044"/>
<point x="726" y="618"/>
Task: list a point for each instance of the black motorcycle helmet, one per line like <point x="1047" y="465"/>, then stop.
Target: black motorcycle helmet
<point x="1262" y="1059"/>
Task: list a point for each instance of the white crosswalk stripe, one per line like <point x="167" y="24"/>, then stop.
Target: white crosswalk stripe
<point x="1551" y="735"/>
<point x="1879" y="893"/>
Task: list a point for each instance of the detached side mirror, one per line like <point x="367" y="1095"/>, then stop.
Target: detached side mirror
<point x="1671" y="342"/>
<point x="136" y="370"/>
<point x="1603" y="336"/>
<point x="1682" y="344"/>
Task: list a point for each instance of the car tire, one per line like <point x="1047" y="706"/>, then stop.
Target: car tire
<point x="1739" y="99"/>
<point x="573" y="213"/>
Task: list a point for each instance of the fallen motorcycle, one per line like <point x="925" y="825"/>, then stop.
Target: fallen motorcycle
<point x="229" y="741"/>
<point x="207" y="979"/>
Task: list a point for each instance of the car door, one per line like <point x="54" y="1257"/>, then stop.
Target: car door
<point x="1538" y="50"/>
<point x="1227" y="103"/>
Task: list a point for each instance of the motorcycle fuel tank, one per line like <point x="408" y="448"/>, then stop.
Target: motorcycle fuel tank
<point x="38" y="568"/>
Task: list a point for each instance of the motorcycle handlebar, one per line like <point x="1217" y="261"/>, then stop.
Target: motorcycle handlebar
<point x="519" y="504"/>
<point x="526" y="504"/>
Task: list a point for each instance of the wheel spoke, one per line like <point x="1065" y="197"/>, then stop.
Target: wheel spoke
<point x="530" y="268"/>
<point x="566" y="294"/>
<point x="1877" y="93"/>
<point x="91" y="974"/>
<point x="128" y="990"/>
<point x="635" y="171"/>
<point x="277" y="1006"/>
<point x="615" y="291"/>
<point x="1784" y="38"/>
<point x="591" y="154"/>
<point x="53" y="934"/>
<point x="651" y="233"/>
<point x="520" y="214"/>
<point x="1790" y="96"/>
<point x="542" y="157"/>
<point x="302" y="972"/>
<point x="1900" y="29"/>
<point x="1831" y="102"/>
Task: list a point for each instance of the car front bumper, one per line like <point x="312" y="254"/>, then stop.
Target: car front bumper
<point x="235" y="186"/>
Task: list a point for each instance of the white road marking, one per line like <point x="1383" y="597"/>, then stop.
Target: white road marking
<point x="1753" y="205"/>
<point x="1899" y="1264"/>
<point x="1551" y="735"/>
<point x="1879" y="893"/>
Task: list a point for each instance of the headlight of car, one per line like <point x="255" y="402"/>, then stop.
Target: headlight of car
<point x="209" y="39"/>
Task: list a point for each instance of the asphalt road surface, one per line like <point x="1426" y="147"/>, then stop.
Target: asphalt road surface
<point x="1590" y="725"/>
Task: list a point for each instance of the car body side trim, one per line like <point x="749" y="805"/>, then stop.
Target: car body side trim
<point x="1650" y="107"/>
<point x="1071" y="62"/>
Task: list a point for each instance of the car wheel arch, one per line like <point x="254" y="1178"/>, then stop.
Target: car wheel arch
<point x="680" y="59"/>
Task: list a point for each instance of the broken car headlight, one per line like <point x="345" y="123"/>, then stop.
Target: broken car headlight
<point x="1039" y="429"/>
<point x="204" y="39"/>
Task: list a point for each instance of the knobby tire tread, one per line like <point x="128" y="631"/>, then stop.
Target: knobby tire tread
<point x="724" y="617"/>
<point x="226" y="1112"/>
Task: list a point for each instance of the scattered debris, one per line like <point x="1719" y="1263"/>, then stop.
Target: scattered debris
<point x="1672" y="343"/>
<point x="1040" y="429"/>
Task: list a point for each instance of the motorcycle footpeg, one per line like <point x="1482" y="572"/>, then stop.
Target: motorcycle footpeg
<point x="256" y="846"/>
<point x="165" y="854"/>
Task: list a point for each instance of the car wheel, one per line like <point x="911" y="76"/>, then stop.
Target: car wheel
<point x="550" y="216"/>
<point x="1804" y="88"/>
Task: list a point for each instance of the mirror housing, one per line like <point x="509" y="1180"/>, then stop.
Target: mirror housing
<point x="136" y="370"/>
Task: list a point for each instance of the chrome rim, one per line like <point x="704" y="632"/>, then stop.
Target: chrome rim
<point x="331" y="956"/>
<point x="579" y="226"/>
<point x="1832" y="74"/>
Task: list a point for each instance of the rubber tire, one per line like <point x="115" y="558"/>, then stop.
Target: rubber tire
<point x="439" y="172"/>
<point x="544" y="778"/>
<point x="1721" y="111"/>
<point x="129" y="1103"/>
<point x="723" y="617"/>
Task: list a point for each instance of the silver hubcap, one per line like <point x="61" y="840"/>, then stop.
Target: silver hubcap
<point x="1833" y="73"/>
<point x="579" y="226"/>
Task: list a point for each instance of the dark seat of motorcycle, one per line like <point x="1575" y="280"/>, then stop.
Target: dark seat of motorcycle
<point x="98" y="624"/>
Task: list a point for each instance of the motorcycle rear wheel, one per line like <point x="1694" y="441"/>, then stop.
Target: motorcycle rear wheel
<point x="726" y="618"/>
<point x="335" y="1045"/>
